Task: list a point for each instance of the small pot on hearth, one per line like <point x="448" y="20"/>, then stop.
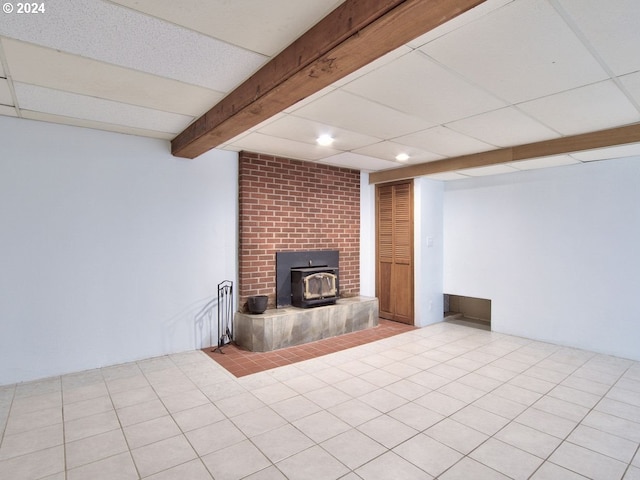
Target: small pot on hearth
<point x="257" y="303"/>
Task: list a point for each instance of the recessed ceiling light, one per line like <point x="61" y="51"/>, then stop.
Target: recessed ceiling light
<point x="402" y="157"/>
<point x="324" y="140"/>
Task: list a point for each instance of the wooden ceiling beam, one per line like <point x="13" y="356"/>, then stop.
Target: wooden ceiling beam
<point x="350" y="37"/>
<point x="558" y="146"/>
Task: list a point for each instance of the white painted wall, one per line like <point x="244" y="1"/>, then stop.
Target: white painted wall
<point x="109" y="247"/>
<point x="367" y="237"/>
<point x="556" y="251"/>
<point x="428" y="251"/>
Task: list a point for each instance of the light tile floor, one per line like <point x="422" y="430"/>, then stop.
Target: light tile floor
<point x="446" y="401"/>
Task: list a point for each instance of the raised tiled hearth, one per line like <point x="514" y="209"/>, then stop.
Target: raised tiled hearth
<point x="287" y="327"/>
<point x="241" y="362"/>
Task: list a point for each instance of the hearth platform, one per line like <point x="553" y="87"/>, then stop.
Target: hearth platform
<point x="290" y="326"/>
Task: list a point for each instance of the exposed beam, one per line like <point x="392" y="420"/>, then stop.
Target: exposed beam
<point x="350" y="37"/>
<point x="558" y="146"/>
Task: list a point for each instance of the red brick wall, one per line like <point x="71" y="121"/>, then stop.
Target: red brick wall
<point x="290" y="205"/>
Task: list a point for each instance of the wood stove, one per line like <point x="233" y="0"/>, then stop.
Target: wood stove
<point x="314" y="286"/>
<point x="308" y="278"/>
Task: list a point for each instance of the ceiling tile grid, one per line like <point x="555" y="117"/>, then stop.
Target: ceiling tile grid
<point x="506" y="73"/>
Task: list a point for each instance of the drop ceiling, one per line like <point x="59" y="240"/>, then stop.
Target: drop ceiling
<point x="506" y="73"/>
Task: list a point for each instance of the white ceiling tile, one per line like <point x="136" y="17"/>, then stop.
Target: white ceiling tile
<point x="504" y="128"/>
<point x="5" y="93"/>
<point x="55" y="102"/>
<point x="477" y="12"/>
<point x="120" y="36"/>
<point x="522" y="51"/>
<point x="256" y="142"/>
<point x="62" y="71"/>
<point x="444" y="141"/>
<point x="385" y="59"/>
<point x="594" y="107"/>
<point x="388" y="151"/>
<point x="307" y="131"/>
<point x="544" y="162"/>
<point x="310" y="99"/>
<point x="488" y="170"/>
<point x="631" y="83"/>
<point x="416" y="85"/>
<point x="357" y="114"/>
<point x="612" y="28"/>
<point x="621" y="151"/>
<point x="262" y="26"/>
<point x="8" y="111"/>
<point x="110" y="127"/>
<point x="359" y="162"/>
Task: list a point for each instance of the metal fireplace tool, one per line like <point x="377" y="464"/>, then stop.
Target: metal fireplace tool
<point x="225" y="314"/>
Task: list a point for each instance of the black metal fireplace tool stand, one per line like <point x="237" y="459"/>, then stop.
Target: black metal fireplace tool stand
<point x="225" y="315"/>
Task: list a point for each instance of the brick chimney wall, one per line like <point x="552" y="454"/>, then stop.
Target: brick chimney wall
<point x="291" y="205"/>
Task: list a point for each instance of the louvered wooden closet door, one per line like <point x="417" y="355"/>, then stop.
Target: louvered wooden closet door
<point x="394" y="251"/>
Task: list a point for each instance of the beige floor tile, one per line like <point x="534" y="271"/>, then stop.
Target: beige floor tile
<point x="500" y="406"/>
<point x="151" y="431"/>
<point x="633" y="473"/>
<point x="34" y="465"/>
<point x="429" y="380"/>
<point x="561" y="408"/>
<point x="355" y="387"/>
<point x="215" y="437"/>
<point x="162" y="455"/>
<point x="467" y="469"/>
<point x="178" y="402"/>
<point x="380" y="378"/>
<point x="517" y="394"/>
<point x="480" y="382"/>
<point x="407" y="389"/>
<point x="236" y="461"/>
<point x="321" y="426"/>
<point x="294" y="408"/>
<point x="92" y="425"/>
<point x="141" y="412"/>
<point x="387" y="431"/>
<point x="586" y="462"/>
<point x="619" y="409"/>
<point x="382" y="400"/>
<point x="551" y="471"/>
<point x="506" y="459"/>
<point x="274" y="393"/>
<point x="479" y="419"/>
<point x="312" y="464"/>
<point x="270" y="473"/>
<point x="31" y="441"/>
<point x="416" y="416"/>
<point x="258" y="421"/>
<point x="118" y="467"/>
<point x="528" y="439"/>
<point x="84" y="393"/>
<point x="428" y="454"/>
<point x="282" y="442"/>
<point x="327" y="397"/>
<point x="197" y="417"/>
<point x="124" y="384"/>
<point x="97" y="447"/>
<point x="85" y="408"/>
<point x="456" y="435"/>
<point x="440" y="403"/>
<point x="534" y="384"/>
<point x="38" y="388"/>
<point x="391" y="465"/>
<point x="305" y="383"/>
<point x="613" y="425"/>
<point x="192" y="470"/>
<point x="354" y="412"/>
<point x="239" y="404"/>
<point x="604" y="443"/>
<point x="127" y="398"/>
<point x="36" y="403"/>
<point x="462" y="392"/>
<point x="573" y="395"/>
<point x="353" y="448"/>
<point x="18" y="423"/>
<point x="586" y="385"/>
<point x="546" y="422"/>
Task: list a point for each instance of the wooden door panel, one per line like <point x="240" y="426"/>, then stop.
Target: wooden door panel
<point x="394" y="251"/>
